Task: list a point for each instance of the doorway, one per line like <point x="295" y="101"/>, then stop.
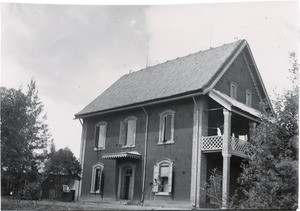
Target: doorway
<point x="126" y="181"/>
<point x="127" y="175"/>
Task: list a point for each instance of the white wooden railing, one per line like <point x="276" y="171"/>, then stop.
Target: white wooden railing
<point x="212" y="143"/>
<point x="238" y="144"/>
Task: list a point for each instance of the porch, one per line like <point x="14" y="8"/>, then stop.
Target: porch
<point x="212" y="144"/>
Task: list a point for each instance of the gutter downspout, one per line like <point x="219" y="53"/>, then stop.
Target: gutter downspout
<point x="197" y="154"/>
<point x="145" y="157"/>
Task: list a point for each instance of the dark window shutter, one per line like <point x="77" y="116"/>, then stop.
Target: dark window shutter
<point x="97" y="128"/>
<point x="102" y="184"/>
<point x="167" y="132"/>
<point x="126" y="133"/>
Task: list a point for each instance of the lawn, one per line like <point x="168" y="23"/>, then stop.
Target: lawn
<point x="14" y="204"/>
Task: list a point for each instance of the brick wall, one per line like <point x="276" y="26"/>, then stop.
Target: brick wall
<point x="179" y="152"/>
<point x="238" y="72"/>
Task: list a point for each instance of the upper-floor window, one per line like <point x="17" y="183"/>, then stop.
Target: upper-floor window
<point x="100" y="135"/>
<point x="233" y="89"/>
<point x="166" y="128"/>
<point x="163" y="177"/>
<point x="248" y="98"/>
<point x="128" y="132"/>
<point x="97" y="179"/>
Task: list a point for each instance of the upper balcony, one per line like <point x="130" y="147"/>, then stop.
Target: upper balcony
<point x="215" y="144"/>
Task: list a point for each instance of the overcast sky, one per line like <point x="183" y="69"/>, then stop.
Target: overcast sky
<point x="75" y="52"/>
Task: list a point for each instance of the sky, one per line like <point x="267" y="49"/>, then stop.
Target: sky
<point x="75" y="52"/>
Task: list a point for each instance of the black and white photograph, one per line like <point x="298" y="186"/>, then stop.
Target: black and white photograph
<point x="149" y="105"/>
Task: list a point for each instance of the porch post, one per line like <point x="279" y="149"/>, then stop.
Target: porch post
<point x="226" y="157"/>
<point x="199" y="159"/>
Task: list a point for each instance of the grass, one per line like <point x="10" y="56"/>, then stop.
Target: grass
<point x="16" y="204"/>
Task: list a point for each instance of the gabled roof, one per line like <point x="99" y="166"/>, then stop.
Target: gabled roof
<point x="195" y="73"/>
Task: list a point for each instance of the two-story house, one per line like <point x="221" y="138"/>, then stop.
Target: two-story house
<point x="155" y="134"/>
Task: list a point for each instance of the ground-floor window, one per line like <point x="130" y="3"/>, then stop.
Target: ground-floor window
<point x="97" y="173"/>
<point x="163" y="177"/>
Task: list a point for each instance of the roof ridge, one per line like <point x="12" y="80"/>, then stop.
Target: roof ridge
<point x="182" y="57"/>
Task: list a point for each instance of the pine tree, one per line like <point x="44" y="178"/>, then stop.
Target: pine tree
<point x="24" y="137"/>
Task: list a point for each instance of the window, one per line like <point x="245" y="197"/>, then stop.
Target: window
<point x="163" y="177"/>
<point x="127" y="132"/>
<point x="100" y="136"/>
<point x="97" y="183"/>
<point x="166" y="129"/>
<point x="233" y="88"/>
<point x="248" y="98"/>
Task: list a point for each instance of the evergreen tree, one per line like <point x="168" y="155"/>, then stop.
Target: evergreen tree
<point x="270" y="177"/>
<point x="24" y="137"/>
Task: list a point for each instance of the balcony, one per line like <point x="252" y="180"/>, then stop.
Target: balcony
<point x="215" y="144"/>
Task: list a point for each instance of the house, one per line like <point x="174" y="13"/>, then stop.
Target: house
<point x="155" y="134"/>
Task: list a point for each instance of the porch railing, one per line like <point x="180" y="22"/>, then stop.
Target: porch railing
<point x="212" y="143"/>
<point x="238" y="144"/>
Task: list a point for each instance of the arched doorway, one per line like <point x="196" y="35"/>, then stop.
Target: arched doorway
<point x="126" y="181"/>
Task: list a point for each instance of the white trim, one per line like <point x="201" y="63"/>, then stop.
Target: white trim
<point x="233" y="88"/>
<point x="228" y="103"/>
<point x="94" y="168"/>
<point x="132" y="180"/>
<point x="134" y="118"/>
<point x="194" y="154"/>
<point x="82" y="154"/>
<point x="259" y="78"/>
<point x="170" y="165"/>
<point x="162" y="115"/>
<point x="163" y="194"/>
<point x="99" y="124"/>
<point x="249" y="102"/>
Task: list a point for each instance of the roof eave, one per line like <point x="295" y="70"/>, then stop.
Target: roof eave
<point x="260" y="80"/>
<point x="141" y="104"/>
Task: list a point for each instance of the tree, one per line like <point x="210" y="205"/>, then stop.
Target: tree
<point x="62" y="167"/>
<point x="24" y="136"/>
<point x="270" y="177"/>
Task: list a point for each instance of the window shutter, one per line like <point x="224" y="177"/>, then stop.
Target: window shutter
<point x="122" y="133"/>
<point x="102" y="136"/>
<point x="102" y="183"/>
<point x="130" y="132"/>
<point x="170" y="179"/>
<point x="168" y="121"/>
<point x="96" y="136"/>
<point x="155" y="179"/>
<point x="97" y="180"/>
<point x="99" y="175"/>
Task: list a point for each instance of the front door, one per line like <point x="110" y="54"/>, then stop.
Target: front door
<point x="127" y="177"/>
<point x="126" y="181"/>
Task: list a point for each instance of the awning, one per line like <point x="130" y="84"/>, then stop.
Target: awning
<point x="118" y="155"/>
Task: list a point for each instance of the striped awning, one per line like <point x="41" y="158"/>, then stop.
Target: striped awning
<point x="118" y="155"/>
